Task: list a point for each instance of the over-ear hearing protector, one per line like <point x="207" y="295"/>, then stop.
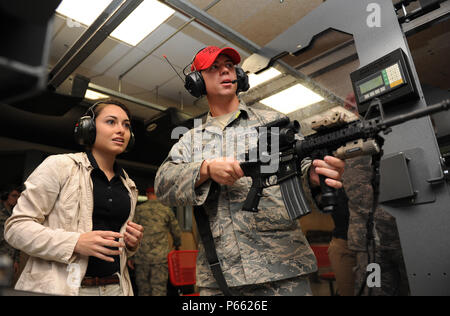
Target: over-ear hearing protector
<point x="85" y="131"/>
<point x="195" y="84"/>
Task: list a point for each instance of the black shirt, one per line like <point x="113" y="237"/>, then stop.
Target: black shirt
<point x="112" y="208"/>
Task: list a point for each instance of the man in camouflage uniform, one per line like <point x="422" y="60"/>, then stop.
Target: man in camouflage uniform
<point x="151" y="258"/>
<point x="8" y="201"/>
<point x="388" y="253"/>
<point x="263" y="253"/>
<point x="387" y="248"/>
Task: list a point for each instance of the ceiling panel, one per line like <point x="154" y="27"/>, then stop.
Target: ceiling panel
<point x="59" y="23"/>
<point x="150" y="73"/>
<point x="173" y="88"/>
<point x="108" y="53"/>
<point x="127" y="61"/>
<point x="177" y="56"/>
<point x="64" y="39"/>
<point x="163" y="32"/>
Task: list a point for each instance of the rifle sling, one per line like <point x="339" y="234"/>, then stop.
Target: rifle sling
<point x="210" y="249"/>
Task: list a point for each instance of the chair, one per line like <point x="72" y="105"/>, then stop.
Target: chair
<point x="323" y="261"/>
<point x="182" y="268"/>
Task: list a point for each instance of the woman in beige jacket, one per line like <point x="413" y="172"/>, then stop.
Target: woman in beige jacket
<point x="54" y="220"/>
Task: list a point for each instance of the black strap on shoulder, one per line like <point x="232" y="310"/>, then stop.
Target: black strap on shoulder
<point x="210" y="249"/>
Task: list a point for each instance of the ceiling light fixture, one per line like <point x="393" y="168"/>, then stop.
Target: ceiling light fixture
<point x="256" y="80"/>
<point x="83" y="11"/>
<point x="137" y="26"/>
<point x="292" y="99"/>
<point x="141" y="22"/>
<point x="92" y="95"/>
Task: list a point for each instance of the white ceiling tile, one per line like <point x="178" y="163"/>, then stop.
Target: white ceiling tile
<point x="172" y="90"/>
<point x="177" y="56"/>
<point x="108" y="53"/>
<point x="58" y="22"/>
<point x="163" y="32"/>
<point x="150" y="73"/>
<point x="64" y="40"/>
<point x="126" y="63"/>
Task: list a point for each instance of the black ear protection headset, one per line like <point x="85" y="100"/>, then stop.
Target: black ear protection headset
<point x="86" y="132"/>
<point x="195" y="84"/>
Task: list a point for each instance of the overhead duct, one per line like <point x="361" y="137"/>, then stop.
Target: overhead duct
<point x="25" y="46"/>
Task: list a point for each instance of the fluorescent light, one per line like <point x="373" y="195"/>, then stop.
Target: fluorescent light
<point x="92" y="95"/>
<point x="142" y="21"/>
<point x="292" y="99"/>
<point x="83" y="11"/>
<point x="256" y="80"/>
<point x="138" y="25"/>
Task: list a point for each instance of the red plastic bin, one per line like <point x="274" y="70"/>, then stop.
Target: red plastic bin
<point x="182" y="267"/>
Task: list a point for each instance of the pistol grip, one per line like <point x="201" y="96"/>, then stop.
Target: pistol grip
<point x="253" y="197"/>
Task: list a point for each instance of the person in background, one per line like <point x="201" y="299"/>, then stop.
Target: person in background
<point x="7" y="202"/>
<point x="342" y="259"/>
<point x="75" y="215"/>
<point x="151" y="260"/>
<point x="384" y="241"/>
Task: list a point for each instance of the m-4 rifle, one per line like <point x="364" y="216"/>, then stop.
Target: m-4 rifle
<point x="334" y="137"/>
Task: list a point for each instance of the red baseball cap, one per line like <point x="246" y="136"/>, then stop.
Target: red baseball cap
<point x="206" y="57"/>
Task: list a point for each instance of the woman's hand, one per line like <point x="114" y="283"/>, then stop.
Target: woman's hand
<point x="133" y="235"/>
<point x="93" y="244"/>
<point x="330" y="167"/>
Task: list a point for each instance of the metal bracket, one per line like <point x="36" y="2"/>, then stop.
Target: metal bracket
<point x="403" y="179"/>
<point x="445" y="175"/>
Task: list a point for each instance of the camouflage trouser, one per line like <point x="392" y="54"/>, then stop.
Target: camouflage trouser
<point x="151" y="279"/>
<point x="292" y="287"/>
<point x="361" y="274"/>
<point x="394" y="280"/>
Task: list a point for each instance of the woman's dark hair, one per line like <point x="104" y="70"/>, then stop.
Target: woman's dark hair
<point x="101" y="105"/>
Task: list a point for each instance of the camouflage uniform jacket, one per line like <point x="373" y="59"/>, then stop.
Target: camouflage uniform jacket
<point x="357" y="183"/>
<point x="157" y="220"/>
<point x="5" y="248"/>
<point x="253" y="248"/>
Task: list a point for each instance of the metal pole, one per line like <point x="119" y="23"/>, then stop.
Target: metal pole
<point x="113" y="93"/>
<point x="152" y="106"/>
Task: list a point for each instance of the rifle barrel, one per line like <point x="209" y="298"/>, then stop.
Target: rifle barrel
<point x="435" y="108"/>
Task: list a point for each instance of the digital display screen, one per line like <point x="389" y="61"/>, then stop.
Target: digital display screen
<point x="371" y="84"/>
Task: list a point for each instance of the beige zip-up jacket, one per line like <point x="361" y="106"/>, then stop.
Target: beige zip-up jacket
<point x="51" y="214"/>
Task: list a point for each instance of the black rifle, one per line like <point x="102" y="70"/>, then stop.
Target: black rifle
<point x="340" y="139"/>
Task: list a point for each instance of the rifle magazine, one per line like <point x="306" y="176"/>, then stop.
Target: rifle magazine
<point x="294" y="198"/>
